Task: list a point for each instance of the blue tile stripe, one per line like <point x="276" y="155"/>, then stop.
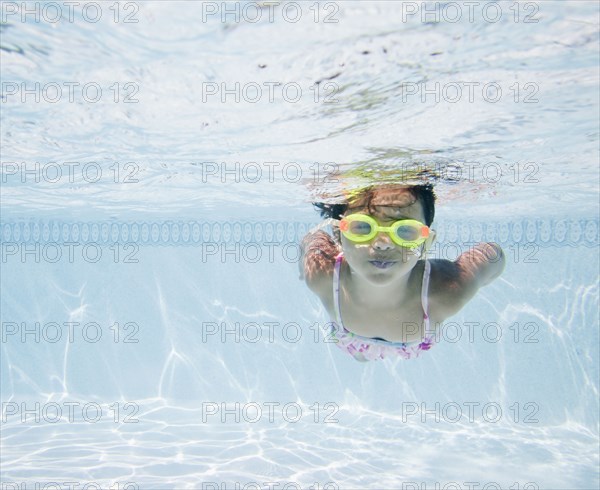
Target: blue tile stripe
<point x="544" y="232"/>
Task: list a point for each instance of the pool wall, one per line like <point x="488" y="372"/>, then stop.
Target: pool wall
<point x="215" y="311"/>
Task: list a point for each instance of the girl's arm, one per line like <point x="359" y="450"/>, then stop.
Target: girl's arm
<point x="457" y="282"/>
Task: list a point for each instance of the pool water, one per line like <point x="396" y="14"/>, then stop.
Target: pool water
<point x="155" y="333"/>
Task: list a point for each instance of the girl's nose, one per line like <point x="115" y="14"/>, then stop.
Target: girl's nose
<point x="383" y="242"/>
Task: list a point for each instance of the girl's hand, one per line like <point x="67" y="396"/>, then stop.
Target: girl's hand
<point x="317" y="256"/>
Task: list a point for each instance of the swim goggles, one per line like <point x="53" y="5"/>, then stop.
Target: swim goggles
<point x="361" y="228"/>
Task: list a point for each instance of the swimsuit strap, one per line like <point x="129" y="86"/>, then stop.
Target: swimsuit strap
<point x="336" y="289"/>
<point x="425" y="295"/>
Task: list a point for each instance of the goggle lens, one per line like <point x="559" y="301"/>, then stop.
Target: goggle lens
<point x="360" y="228"/>
<point x="409" y="233"/>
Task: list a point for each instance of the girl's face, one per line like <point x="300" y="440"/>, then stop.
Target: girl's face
<point x="380" y="260"/>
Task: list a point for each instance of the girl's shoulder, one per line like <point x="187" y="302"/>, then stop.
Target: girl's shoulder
<point x="444" y="290"/>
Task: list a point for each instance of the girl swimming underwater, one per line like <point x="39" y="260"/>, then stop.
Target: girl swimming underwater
<point x="375" y="279"/>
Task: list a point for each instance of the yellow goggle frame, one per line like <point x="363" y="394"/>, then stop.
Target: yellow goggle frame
<point x="360" y="228"/>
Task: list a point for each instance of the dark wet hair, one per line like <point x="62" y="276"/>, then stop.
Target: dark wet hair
<point x="423" y="193"/>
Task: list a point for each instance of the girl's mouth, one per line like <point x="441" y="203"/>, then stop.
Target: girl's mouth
<point x="380" y="264"/>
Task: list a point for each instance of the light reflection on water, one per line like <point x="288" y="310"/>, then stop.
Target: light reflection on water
<point x="363" y="84"/>
<point x="189" y="449"/>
